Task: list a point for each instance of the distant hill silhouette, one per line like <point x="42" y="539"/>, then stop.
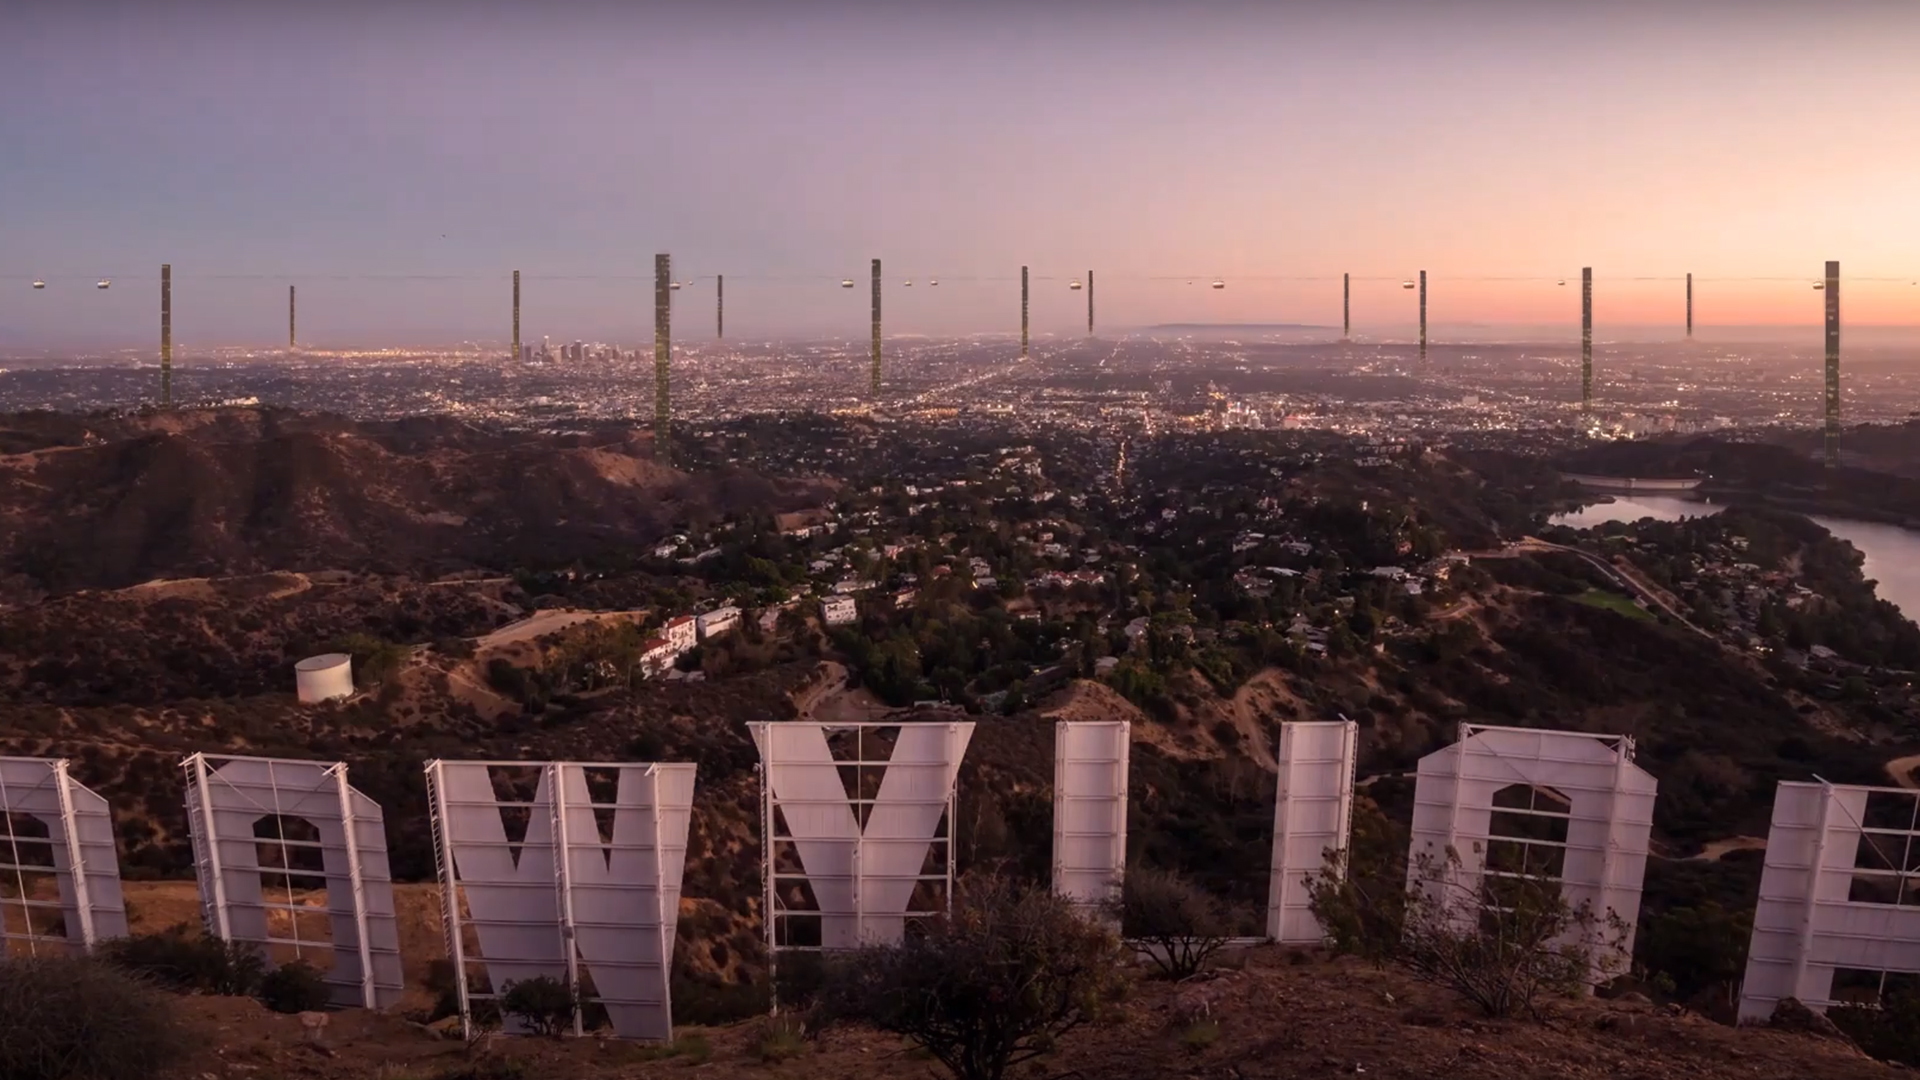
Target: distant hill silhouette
<point x="104" y="502"/>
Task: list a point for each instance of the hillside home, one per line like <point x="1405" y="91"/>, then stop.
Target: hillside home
<point x="718" y="621"/>
<point x="839" y="610"/>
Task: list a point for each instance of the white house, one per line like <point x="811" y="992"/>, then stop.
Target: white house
<point x="717" y="621"/>
<point x="839" y="610"/>
<point x="656" y="656"/>
<point x="681" y="633"/>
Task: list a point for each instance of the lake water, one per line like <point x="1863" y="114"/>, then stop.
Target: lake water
<point x="1892" y="553"/>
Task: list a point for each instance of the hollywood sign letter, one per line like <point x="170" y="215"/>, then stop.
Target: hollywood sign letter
<point x="1312" y="815"/>
<point x="593" y="885"/>
<point x="862" y="877"/>
<point x="318" y="832"/>
<point x="57" y="856"/>
<point x="1090" y="810"/>
<point x="1548" y="805"/>
<point x="1840" y="894"/>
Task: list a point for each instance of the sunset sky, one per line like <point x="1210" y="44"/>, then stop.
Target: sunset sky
<point x="256" y="144"/>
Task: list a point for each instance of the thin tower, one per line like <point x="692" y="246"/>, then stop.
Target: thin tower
<point x="516" y="316"/>
<point x="662" y="350"/>
<point x="1586" y="339"/>
<point x="1023" y="313"/>
<point x="1689" y="305"/>
<point x="1346" y="307"/>
<point x="1423" y="314"/>
<point x="1833" y="364"/>
<point x="166" y="335"/>
<point x="720" y="305"/>
<point x="1089" y="303"/>
<point x="289" y="318"/>
<point x="876" y="328"/>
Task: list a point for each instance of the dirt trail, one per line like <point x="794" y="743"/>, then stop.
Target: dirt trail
<point x="546" y="622"/>
<point x="1902" y="771"/>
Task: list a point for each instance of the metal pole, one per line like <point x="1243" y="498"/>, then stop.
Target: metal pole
<point x="563" y="883"/>
<point x="1689" y="305"/>
<point x="1346" y="307"/>
<point x="1089" y="303"/>
<point x="369" y="996"/>
<point x="211" y="838"/>
<point x="290" y="338"/>
<point x="76" y="855"/>
<point x="1023" y="313"/>
<point x="166" y="335"/>
<point x="720" y="306"/>
<point x="449" y="889"/>
<point x="516" y="316"/>
<point x="662" y="351"/>
<point x="1586" y="339"/>
<point x="1833" y="364"/>
<point x="875" y="376"/>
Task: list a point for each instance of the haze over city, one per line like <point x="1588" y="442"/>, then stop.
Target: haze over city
<point x="396" y="163"/>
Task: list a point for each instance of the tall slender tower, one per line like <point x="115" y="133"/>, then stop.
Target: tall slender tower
<point x="1833" y="364"/>
<point x="1346" y="307"/>
<point x="1423" y="314"/>
<point x="1586" y="339"/>
<point x="289" y="318"/>
<point x="876" y="328"/>
<point x="720" y="306"/>
<point x="166" y="335"/>
<point x="516" y="316"/>
<point x="1689" y="305"/>
<point x="662" y="351"/>
<point x="1089" y="303"/>
<point x="1023" y="313"/>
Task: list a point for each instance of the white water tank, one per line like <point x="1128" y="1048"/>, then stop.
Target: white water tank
<point x="323" y="678"/>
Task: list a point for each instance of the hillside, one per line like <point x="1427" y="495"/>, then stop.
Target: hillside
<point x="108" y="502"/>
<point x="1285" y="1016"/>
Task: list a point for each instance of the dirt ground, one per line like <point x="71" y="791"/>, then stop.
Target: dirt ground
<point x="1285" y="1016"/>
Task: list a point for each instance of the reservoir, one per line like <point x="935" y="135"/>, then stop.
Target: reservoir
<point x="1892" y="553"/>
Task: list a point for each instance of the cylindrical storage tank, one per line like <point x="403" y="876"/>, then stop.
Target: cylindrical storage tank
<point x="323" y="678"/>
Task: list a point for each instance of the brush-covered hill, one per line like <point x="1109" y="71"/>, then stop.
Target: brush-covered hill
<point x="107" y="502"/>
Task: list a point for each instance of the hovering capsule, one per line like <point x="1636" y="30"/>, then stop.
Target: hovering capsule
<point x="846" y="283"/>
<point x="1218" y="284"/>
<point x="909" y="283"/>
<point x="103" y="283"/>
<point x="38" y="284"/>
<point x="935" y="281"/>
<point x="1563" y="281"/>
<point x="675" y="285"/>
<point x="1073" y="284"/>
<point x="1406" y="284"/>
<point x="1819" y="285"/>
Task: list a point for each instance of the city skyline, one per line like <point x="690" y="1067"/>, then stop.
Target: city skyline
<point x="1303" y="140"/>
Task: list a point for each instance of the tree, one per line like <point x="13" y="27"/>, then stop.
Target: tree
<point x="1501" y="942"/>
<point x="1181" y="926"/>
<point x="996" y="984"/>
<point x="544" y="1004"/>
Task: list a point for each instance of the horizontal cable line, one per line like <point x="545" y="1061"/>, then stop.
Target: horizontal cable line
<point x="863" y="277"/>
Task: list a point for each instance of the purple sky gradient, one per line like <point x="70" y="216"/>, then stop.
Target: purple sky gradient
<point x="792" y="143"/>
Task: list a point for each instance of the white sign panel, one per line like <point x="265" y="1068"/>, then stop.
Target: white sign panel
<point x="318" y="833"/>
<point x="863" y="879"/>
<point x="1840" y="892"/>
<point x="1312" y="814"/>
<point x="1090" y="809"/>
<point x="59" y="873"/>
<point x="1546" y="804"/>
<point x="589" y="894"/>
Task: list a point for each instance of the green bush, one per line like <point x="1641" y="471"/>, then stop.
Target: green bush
<point x="1181" y="925"/>
<point x="545" y="1005"/>
<point x="780" y="1038"/>
<point x="293" y="988"/>
<point x="76" y="1019"/>
<point x="996" y="984"/>
<point x="174" y="959"/>
<point x="1890" y="1032"/>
